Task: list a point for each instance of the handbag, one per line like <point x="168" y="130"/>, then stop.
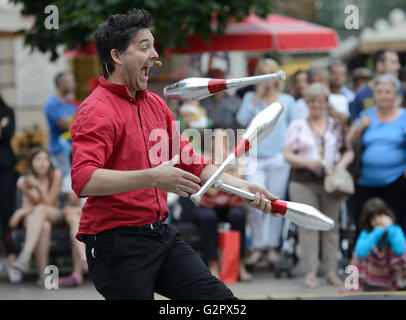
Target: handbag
<point x="229" y="255"/>
<point x="339" y="182"/>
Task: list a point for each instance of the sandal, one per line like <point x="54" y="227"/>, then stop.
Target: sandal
<point x="311" y="281"/>
<point x="70" y="281"/>
<point x="272" y="257"/>
<point x="333" y="279"/>
<point x="253" y="258"/>
<point x="244" y="275"/>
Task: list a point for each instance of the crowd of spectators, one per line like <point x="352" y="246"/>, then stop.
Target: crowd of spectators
<point x="332" y="120"/>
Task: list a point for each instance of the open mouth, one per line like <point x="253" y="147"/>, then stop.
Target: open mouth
<point x="145" y="71"/>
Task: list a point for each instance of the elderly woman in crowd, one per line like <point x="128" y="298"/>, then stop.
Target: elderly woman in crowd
<point x="382" y="130"/>
<point x="313" y="147"/>
<point x="267" y="166"/>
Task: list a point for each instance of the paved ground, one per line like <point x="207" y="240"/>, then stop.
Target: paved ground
<point x="263" y="286"/>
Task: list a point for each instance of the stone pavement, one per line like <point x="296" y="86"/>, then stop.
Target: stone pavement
<point x="263" y="286"/>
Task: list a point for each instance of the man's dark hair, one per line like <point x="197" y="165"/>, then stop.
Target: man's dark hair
<point x="59" y="77"/>
<point x="116" y="33"/>
<point x="336" y="63"/>
<point x="402" y="74"/>
<point x="380" y="56"/>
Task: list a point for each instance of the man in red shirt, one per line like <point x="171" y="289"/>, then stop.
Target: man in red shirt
<point x="123" y="138"/>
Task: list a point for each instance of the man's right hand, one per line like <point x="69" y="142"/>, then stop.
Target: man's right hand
<point x="170" y="179"/>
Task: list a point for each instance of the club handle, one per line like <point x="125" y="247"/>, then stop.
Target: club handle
<point x="277" y="206"/>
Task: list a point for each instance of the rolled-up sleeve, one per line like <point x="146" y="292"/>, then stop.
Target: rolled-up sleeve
<point x="92" y="144"/>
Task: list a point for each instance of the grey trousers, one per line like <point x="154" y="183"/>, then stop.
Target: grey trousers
<point x="314" y="195"/>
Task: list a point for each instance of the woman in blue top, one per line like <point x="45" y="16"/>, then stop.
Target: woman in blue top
<point x="383" y="159"/>
<point x="266" y="164"/>
<point x="379" y="256"/>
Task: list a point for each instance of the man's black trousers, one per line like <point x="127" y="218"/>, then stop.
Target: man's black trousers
<point x="133" y="263"/>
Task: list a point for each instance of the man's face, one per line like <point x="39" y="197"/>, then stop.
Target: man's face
<point x="390" y="64"/>
<point x="318" y="77"/>
<point x="338" y="75"/>
<point x="68" y="83"/>
<point x="137" y="60"/>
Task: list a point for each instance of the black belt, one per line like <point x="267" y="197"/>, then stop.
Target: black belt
<point x="145" y="227"/>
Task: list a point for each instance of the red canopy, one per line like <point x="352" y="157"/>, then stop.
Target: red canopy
<point x="275" y="33"/>
<point x="89" y="50"/>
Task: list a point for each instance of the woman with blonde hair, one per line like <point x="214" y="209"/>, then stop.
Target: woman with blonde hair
<point x="266" y="165"/>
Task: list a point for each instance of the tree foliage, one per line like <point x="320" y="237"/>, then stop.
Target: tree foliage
<point x="174" y="19"/>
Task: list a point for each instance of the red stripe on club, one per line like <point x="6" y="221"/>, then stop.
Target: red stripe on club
<point x="216" y="85"/>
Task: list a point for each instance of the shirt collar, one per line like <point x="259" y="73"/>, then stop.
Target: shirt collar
<point x="121" y="90"/>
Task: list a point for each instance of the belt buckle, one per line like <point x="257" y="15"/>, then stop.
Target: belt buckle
<point x="152" y="226"/>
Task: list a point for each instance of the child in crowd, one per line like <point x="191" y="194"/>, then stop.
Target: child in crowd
<point x="40" y="191"/>
<point x="380" y="249"/>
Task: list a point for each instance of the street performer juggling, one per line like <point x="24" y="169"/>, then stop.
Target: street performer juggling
<point x="131" y="253"/>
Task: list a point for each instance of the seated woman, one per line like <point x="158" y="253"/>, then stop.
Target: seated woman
<point x="380" y="252"/>
<point x="40" y="188"/>
<point x="217" y="206"/>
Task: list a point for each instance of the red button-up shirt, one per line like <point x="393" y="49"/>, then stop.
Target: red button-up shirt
<point x="112" y="130"/>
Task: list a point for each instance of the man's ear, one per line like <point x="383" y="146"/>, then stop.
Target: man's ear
<point x="116" y="56"/>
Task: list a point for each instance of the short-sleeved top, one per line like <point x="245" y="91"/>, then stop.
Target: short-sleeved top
<point x="272" y="145"/>
<point x="56" y="110"/>
<point x="221" y="112"/>
<point x="112" y="130"/>
<point x="306" y="143"/>
<point x="383" y="157"/>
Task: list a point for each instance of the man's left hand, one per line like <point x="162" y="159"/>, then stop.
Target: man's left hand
<point x="261" y="194"/>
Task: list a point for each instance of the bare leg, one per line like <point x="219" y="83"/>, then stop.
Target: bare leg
<point x="72" y="215"/>
<point x="78" y="248"/>
<point x="214" y="268"/>
<point x="43" y="246"/>
<point x="34" y="224"/>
